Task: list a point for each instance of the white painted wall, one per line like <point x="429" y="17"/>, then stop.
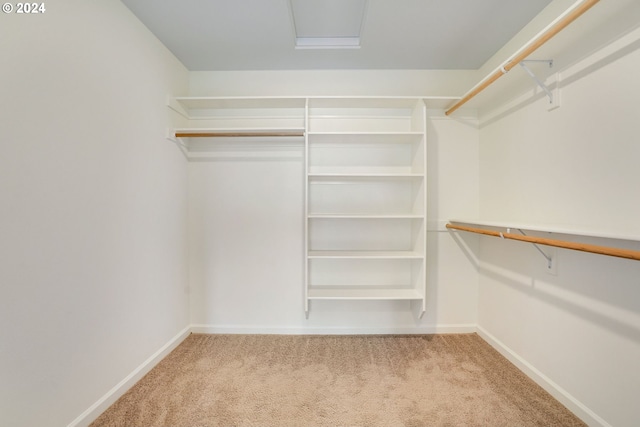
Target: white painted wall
<point x="93" y="207"/>
<point x="578" y="331"/>
<point x="331" y="83"/>
<point x="245" y="218"/>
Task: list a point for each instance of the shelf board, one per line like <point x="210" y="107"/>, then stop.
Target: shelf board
<point x="356" y="178"/>
<point x="349" y="139"/>
<point x="364" y="216"/>
<point x="377" y="101"/>
<point x="366" y="175"/>
<point x="239" y="102"/>
<point x="366" y="134"/>
<point x="208" y="102"/>
<point x="365" y="255"/>
<point x="365" y="293"/>
<point x="238" y="132"/>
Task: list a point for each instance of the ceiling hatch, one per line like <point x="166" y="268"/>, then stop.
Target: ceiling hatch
<point x="327" y="24"/>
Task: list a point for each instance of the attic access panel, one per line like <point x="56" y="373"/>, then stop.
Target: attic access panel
<point x="327" y="24"/>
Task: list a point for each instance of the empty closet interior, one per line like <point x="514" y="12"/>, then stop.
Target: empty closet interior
<point x="150" y="191"/>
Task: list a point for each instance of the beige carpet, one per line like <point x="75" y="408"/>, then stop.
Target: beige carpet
<point x="262" y="380"/>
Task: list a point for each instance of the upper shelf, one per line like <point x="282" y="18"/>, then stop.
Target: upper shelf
<point x="193" y="106"/>
<point x="204" y="122"/>
<point x="190" y="105"/>
<point x="367" y="102"/>
<point x="233" y="117"/>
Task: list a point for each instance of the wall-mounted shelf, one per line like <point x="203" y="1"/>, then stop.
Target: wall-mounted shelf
<point x="203" y="124"/>
<point x="346" y="293"/>
<point x="468" y="226"/>
<point x="200" y="123"/>
<point x="364" y="216"/>
<point x="365" y="254"/>
<point x="205" y="107"/>
<point x="552" y="228"/>
<point x="261" y="133"/>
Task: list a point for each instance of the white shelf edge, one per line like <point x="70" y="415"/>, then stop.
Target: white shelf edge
<point x="364" y="216"/>
<point x="201" y="156"/>
<point x="322" y="97"/>
<point x="551" y="228"/>
<point x="387" y="97"/>
<point x="353" y="179"/>
<point x="365" y="134"/>
<point x="256" y="117"/>
<point x="365" y="175"/>
<point x="341" y="293"/>
<point x="338" y="254"/>
<point x="430" y="101"/>
<point x="243" y="129"/>
<point x="299" y="101"/>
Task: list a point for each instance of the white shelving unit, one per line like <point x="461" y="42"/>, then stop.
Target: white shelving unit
<point x="365" y="199"/>
<point x="365" y="178"/>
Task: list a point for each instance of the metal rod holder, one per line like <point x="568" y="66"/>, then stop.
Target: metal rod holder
<point x="547" y="257"/>
<point x="535" y="78"/>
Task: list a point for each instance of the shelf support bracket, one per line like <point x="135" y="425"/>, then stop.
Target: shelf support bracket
<point x="547" y="257"/>
<point x="535" y="78"/>
<point x="171" y="136"/>
<point x="418" y="307"/>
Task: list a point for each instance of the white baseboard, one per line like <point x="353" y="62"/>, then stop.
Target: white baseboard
<point x="94" y="411"/>
<point x="560" y="394"/>
<point x="402" y="330"/>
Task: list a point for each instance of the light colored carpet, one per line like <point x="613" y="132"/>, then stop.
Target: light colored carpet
<point x="266" y="380"/>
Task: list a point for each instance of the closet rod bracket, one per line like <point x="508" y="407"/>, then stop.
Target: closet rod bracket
<point x="536" y="79"/>
<point x="549" y="258"/>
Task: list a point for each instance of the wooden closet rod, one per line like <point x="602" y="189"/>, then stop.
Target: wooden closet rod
<point x="526" y="51"/>
<point x="584" y="247"/>
<point x="236" y="134"/>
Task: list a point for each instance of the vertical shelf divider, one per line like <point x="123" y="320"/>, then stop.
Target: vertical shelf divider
<point x="306" y="209"/>
<point x="425" y="193"/>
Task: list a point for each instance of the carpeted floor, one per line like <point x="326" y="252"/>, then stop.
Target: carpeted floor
<point x="267" y="380"/>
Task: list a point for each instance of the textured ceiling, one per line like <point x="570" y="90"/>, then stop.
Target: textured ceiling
<point x="209" y="35"/>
